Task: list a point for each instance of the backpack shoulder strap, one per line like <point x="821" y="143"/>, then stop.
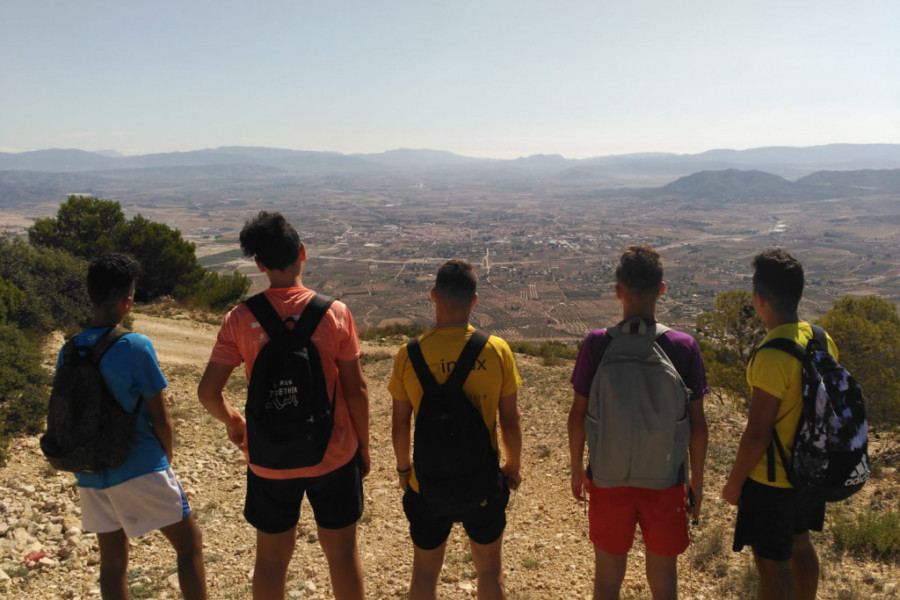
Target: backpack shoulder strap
<point x="107" y="340"/>
<point x="798" y="352"/>
<point x="312" y="315"/>
<point x="819" y="337"/>
<point x="266" y="314"/>
<point x="461" y="369"/>
<point x="785" y="345"/>
<point x="467" y="358"/>
<point x="423" y="373"/>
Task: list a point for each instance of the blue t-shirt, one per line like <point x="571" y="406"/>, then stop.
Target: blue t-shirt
<point x="131" y="371"/>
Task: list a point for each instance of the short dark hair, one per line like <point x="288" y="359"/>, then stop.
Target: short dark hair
<point x="640" y="270"/>
<point x="271" y="239"/>
<point x="111" y="277"/>
<point x="778" y="277"/>
<point x="456" y="282"/>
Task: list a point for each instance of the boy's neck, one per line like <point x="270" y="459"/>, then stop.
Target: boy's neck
<point x="776" y="320"/>
<point x="105" y="318"/>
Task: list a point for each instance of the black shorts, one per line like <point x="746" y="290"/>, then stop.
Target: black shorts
<point x="273" y="505"/>
<point x="484" y="525"/>
<point x="769" y="517"/>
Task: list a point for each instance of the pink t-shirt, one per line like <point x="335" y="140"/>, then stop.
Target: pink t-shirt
<point x="242" y="337"/>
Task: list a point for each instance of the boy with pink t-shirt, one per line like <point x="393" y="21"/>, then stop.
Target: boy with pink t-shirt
<point x="334" y="485"/>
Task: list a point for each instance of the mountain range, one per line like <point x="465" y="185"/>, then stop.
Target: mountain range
<point x="771" y="173"/>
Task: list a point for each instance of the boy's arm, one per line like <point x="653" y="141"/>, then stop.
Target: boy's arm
<point x="699" y="439"/>
<point x="756" y="438"/>
<point x="161" y="422"/>
<point x="511" y="428"/>
<point x="577" y="439"/>
<point x="401" y="414"/>
<point x="356" y="393"/>
<point x="209" y="391"/>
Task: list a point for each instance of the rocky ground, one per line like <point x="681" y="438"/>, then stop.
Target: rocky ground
<point x="44" y="554"/>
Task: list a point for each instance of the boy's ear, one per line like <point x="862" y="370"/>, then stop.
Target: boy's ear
<point x="302" y="256"/>
<point x="662" y="288"/>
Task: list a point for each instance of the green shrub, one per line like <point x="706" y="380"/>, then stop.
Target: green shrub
<point x="396" y="329"/>
<point x="867" y="334"/>
<point x="23" y="386"/>
<point x="553" y="352"/>
<point x="219" y="292"/>
<point x="51" y="290"/>
<point x="867" y="533"/>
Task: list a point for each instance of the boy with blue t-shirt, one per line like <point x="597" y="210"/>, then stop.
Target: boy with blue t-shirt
<point x="142" y="494"/>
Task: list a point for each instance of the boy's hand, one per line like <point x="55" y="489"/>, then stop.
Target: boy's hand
<point x="578" y="483"/>
<point x="513" y="476"/>
<point x="731" y="493"/>
<point x="695" y="500"/>
<point x="403" y="478"/>
<point x="237" y="432"/>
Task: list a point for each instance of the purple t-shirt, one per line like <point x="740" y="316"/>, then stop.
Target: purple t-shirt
<point x="680" y="347"/>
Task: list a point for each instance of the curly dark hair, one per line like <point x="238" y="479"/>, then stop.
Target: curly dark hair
<point x="778" y="277"/>
<point x="640" y="270"/>
<point x="271" y="239"/>
<point x="111" y="277"/>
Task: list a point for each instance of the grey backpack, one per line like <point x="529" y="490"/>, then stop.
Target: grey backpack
<point x="637" y="421"/>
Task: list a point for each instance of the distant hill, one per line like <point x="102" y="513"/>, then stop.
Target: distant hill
<point x="887" y="181"/>
<point x="735" y="186"/>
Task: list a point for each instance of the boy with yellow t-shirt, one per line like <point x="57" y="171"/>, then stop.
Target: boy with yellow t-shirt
<point x="492" y="387"/>
<point x="773" y="518"/>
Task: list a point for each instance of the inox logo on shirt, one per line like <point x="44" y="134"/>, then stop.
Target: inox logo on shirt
<point x="448" y="365"/>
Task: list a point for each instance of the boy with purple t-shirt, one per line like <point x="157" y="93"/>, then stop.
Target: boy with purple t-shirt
<point x="615" y="512"/>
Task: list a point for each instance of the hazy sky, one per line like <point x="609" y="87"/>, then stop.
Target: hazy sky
<point x="501" y="79"/>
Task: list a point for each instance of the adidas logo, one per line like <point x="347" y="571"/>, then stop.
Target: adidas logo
<point x="860" y="474"/>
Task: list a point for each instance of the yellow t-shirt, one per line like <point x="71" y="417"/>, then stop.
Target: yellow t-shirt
<point x="778" y="373"/>
<point x="494" y="375"/>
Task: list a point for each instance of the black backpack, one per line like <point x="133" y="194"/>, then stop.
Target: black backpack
<point x="829" y="459"/>
<point x="456" y="463"/>
<point x="289" y="408"/>
<point x="88" y="431"/>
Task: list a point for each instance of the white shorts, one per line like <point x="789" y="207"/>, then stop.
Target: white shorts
<point x="137" y="506"/>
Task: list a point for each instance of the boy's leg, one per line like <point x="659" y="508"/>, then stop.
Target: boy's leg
<point x="805" y="567"/>
<point x="187" y="541"/>
<point x="609" y="572"/>
<point x="344" y="566"/>
<point x="663" y="518"/>
<point x="113" y="565"/>
<point x="776" y="580"/>
<point x="662" y="576"/>
<point x="273" y="555"/>
<point x="489" y="569"/>
<point x="425" y="572"/>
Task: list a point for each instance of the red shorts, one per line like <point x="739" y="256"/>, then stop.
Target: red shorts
<point x="615" y="513"/>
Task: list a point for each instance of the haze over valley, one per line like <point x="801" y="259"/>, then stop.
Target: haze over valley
<point x="543" y="231"/>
